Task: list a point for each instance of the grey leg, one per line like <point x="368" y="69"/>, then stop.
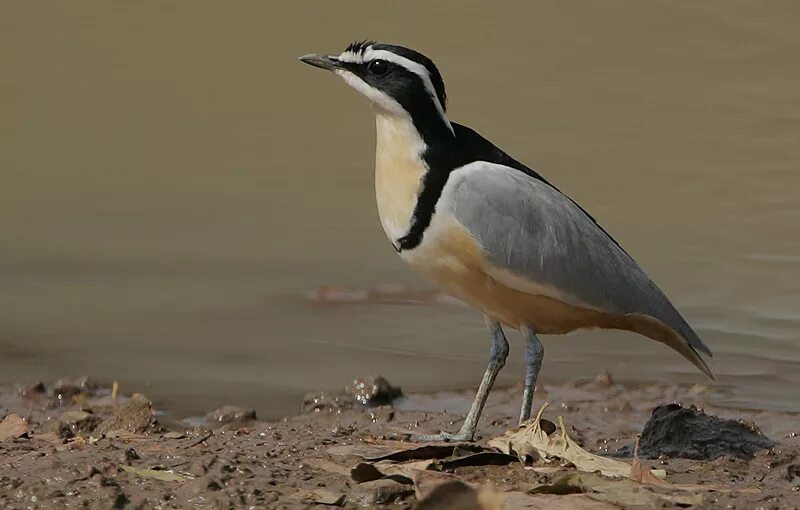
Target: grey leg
<point x="534" y="352"/>
<point x="497" y="359"/>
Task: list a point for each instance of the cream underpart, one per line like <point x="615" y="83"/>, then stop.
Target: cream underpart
<point x="398" y="172"/>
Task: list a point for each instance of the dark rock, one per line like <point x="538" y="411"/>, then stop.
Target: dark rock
<point x="677" y="431"/>
<point x="373" y="391"/>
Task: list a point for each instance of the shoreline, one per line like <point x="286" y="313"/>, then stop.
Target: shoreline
<point x="86" y="449"/>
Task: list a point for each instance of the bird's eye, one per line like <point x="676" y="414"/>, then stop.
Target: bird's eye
<point x="378" y="67"/>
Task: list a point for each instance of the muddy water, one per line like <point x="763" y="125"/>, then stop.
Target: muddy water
<point x="173" y="181"/>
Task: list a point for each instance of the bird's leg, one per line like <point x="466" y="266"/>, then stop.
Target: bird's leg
<point x="534" y="352"/>
<point x="497" y="359"/>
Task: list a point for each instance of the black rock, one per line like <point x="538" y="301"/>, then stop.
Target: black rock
<point x="679" y="432"/>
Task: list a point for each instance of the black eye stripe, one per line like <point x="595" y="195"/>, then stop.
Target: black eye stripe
<point x="378" y="67"/>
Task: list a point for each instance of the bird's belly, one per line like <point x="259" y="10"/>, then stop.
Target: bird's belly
<point x="451" y="258"/>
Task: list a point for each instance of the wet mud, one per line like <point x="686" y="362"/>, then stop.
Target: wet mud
<point x="76" y="444"/>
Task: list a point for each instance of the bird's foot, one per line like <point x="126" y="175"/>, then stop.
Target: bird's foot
<point x="444" y="437"/>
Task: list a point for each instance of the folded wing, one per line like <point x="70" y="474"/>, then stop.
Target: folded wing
<point x="530" y="229"/>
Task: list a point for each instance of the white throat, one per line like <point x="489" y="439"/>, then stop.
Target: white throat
<point x="399" y="169"/>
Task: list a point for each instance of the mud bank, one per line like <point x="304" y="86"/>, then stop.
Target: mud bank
<point x="74" y="444"/>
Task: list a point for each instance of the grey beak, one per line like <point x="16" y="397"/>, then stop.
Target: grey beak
<point x="322" y="61"/>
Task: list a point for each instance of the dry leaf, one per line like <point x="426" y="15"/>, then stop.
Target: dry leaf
<point x="530" y="440"/>
<point x="448" y="492"/>
<point x="522" y="501"/>
<point x="617" y="492"/>
<point x="358" y="450"/>
<point x="458" y="495"/>
<point x="419" y="451"/>
<point x="388" y="450"/>
<point x="426" y="481"/>
<point x="545" y="470"/>
<point x="320" y="497"/>
<point x="399" y="472"/>
<point x="12" y="427"/>
<point x="164" y="476"/>
<point x="475" y="459"/>
<point x="643" y="474"/>
<point x="328" y="466"/>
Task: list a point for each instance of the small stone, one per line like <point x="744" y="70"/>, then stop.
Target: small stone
<point x="134" y="415"/>
<point x="603" y="380"/>
<point x="373" y="391"/>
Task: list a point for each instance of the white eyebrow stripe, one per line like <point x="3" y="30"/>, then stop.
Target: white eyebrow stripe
<point x="351" y="57"/>
<point x="418" y="69"/>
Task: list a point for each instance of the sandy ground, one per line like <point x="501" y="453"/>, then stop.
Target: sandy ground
<point x="74" y="445"/>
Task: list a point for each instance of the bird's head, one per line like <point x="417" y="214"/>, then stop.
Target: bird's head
<point x="397" y="81"/>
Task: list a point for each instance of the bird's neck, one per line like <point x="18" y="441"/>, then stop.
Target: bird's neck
<point x="409" y="175"/>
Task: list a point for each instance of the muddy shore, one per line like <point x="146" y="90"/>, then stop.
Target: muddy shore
<point x="75" y="444"/>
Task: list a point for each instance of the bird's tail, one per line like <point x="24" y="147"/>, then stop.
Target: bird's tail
<point x="661" y="332"/>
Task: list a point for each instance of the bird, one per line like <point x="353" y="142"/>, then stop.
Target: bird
<point x="490" y="230"/>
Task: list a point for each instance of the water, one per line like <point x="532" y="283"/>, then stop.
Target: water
<point x="173" y="181"/>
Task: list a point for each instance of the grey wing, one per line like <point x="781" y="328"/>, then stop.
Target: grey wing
<point x="532" y="230"/>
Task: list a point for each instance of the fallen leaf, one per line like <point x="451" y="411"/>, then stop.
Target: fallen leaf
<point x="320" y="497"/>
<point x="522" y="501"/>
<point x="545" y="470"/>
<point x="388" y="450"/>
<point x="442" y="491"/>
<point x="156" y="474"/>
<point x="428" y="451"/>
<point x="475" y="459"/>
<point x="626" y="493"/>
<point x="530" y="440"/>
<point x="358" y="450"/>
<point x="326" y="465"/>
<point x="643" y="474"/>
<point x="455" y="495"/>
<point x="426" y="481"/>
<point x="174" y="435"/>
<point x="399" y="472"/>
<point x="12" y="427"/>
